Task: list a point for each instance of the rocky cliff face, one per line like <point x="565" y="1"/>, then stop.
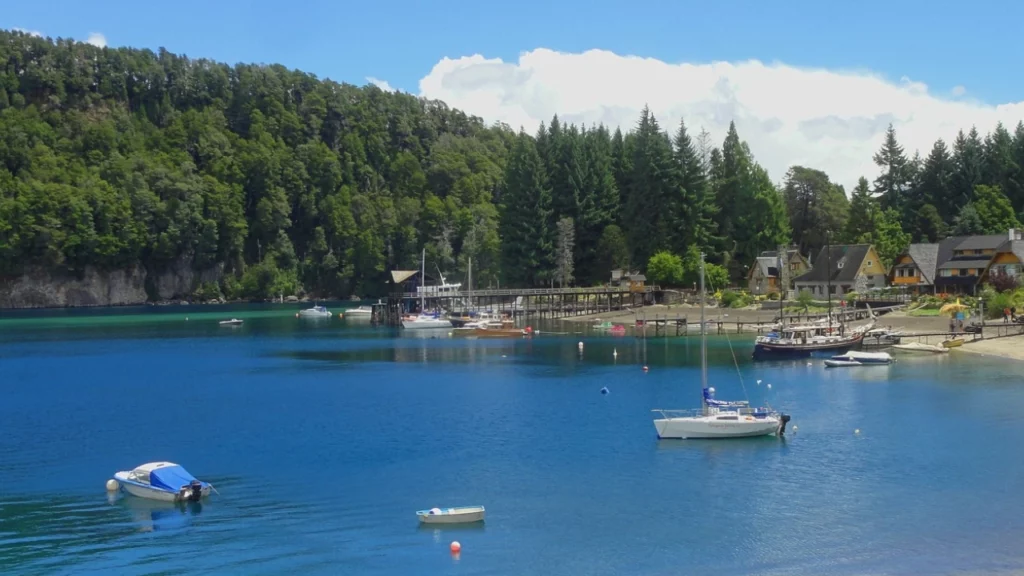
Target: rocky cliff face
<point x="43" y="289"/>
<point x="39" y="288"/>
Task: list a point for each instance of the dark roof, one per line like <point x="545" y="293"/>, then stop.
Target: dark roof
<point x="845" y="262"/>
<point x="926" y="258"/>
<point x="991" y="241"/>
<point x="946" y="247"/>
<point x="966" y="262"/>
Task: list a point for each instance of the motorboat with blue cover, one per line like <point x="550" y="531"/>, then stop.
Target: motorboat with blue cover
<point x="165" y="481"/>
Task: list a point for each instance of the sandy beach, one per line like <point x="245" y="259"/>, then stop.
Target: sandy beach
<point x="1006" y="347"/>
<point x="1011" y="347"/>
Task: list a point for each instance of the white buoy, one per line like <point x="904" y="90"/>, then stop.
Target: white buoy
<point x="186" y="318"/>
<point x="795" y="428"/>
<point x="769" y="386"/>
<point x="112" y="485"/>
<point x="449" y="334"/>
<point x="580" y="346"/>
<point x="615" y="353"/>
<point x="758" y="382"/>
<point x="711" y="390"/>
<point x="857" y="431"/>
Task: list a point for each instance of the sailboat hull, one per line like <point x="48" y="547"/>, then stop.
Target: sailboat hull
<point x="710" y="427"/>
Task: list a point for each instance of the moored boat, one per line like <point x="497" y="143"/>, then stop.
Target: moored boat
<point x="315" y="312"/>
<point x="164" y="481"/>
<point x="953" y="343"/>
<point x="717" y="418"/>
<point x="359" y="312"/>
<point x="855" y="358"/>
<point x="458" y="515"/>
<point x="232" y="322"/>
<point x="919" y="347"/>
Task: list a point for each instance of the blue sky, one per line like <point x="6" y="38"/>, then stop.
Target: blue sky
<point x="941" y="43"/>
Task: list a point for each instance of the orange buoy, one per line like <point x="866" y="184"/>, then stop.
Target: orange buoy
<point x="456" y="547"/>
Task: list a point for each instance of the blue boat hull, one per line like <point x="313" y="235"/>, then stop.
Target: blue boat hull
<point x="768" y="352"/>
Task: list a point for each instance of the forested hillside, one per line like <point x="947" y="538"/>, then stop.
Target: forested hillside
<point x="269" y="181"/>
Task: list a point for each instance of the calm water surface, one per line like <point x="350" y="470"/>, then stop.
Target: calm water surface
<point x="324" y="438"/>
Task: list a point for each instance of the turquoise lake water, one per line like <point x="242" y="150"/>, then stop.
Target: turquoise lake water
<point x="324" y="437"/>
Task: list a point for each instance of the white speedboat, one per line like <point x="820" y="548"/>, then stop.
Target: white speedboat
<point x="164" y="481"/>
<point x="232" y="322"/>
<point x="315" y="312"/>
<point x="463" y="515"/>
<point x="360" y="312"/>
<point x="717" y="418"/>
<point x="855" y="358"/>
<point x="919" y="347"/>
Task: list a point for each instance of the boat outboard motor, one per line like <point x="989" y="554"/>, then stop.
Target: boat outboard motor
<point x="197" y="489"/>
<point x="783" y="419"/>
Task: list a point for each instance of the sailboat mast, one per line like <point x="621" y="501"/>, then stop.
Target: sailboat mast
<point x="703" y="339"/>
<point x="423" y="282"/>
<point x="828" y="278"/>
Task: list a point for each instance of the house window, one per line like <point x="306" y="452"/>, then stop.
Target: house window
<point x="869" y="262"/>
<point x="1011" y="269"/>
<point x="963" y="272"/>
<point x="946" y="273"/>
<point x="831" y="289"/>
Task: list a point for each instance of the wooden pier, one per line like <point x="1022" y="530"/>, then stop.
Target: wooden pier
<point x="547" y="303"/>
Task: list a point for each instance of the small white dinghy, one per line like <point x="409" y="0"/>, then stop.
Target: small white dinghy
<point x="919" y="347"/>
<point x="855" y="358"/>
<point x="232" y="322"/>
<point x="463" y="515"/>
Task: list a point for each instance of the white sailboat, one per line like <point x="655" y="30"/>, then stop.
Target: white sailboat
<point x="424" y="320"/>
<point x="717" y="418"/>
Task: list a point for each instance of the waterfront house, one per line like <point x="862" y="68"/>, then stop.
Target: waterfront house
<point x="1008" y="258"/>
<point x="847" y="267"/>
<point x="961" y="273"/>
<point x="916" y="268"/>
<point x="765" y="275"/>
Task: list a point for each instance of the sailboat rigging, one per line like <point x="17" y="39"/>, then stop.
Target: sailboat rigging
<point x="717" y="418"/>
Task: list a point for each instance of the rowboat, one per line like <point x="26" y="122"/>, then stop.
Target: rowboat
<point x="461" y="515"/>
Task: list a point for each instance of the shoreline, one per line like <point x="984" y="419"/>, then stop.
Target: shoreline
<point x="1006" y="347"/>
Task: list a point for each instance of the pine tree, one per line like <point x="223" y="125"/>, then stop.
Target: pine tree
<point x="932" y="190"/>
<point x="892" y="184"/>
<point x="527" y="224"/>
<point x="696" y="210"/>
<point x="599" y="206"/>
<point x="650" y="185"/>
<point x="1000" y="165"/>
<point x="968" y="164"/>
<point x="864" y="213"/>
<point x="967" y="222"/>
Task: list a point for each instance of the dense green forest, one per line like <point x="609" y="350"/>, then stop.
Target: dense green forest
<point x="116" y="157"/>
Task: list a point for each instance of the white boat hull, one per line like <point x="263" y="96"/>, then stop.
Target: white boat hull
<point x="685" y="428"/>
<point x="918" y="347"/>
<point x="453" y="516"/>
<point x="148" y="492"/>
<point x="426" y="324"/>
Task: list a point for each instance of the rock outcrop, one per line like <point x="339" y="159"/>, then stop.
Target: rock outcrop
<point x="41" y="288"/>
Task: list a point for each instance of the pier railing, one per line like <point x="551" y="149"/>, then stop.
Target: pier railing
<point x="512" y="292"/>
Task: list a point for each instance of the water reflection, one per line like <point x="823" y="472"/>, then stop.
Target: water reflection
<point x="151" y="515"/>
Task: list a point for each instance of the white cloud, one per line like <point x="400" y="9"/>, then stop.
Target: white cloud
<point x="958" y="91"/>
<point x="833" y="120"/>
<point x="96" y="39"/>
<point x="29" y="32"/>
<point x="382" y="84"/>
